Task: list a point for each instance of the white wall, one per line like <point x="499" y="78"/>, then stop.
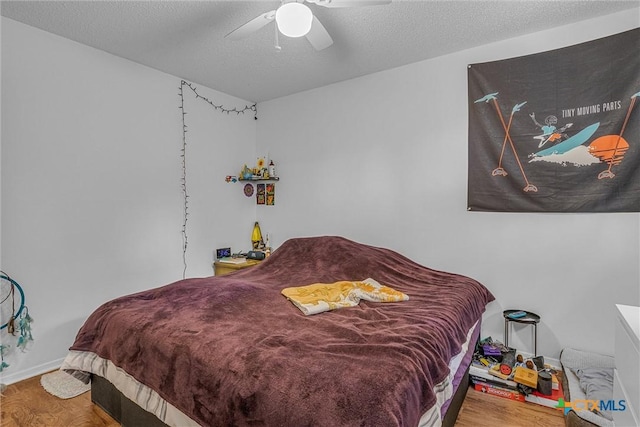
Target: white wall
<point x="0" y="146"/>
<point x="218" y="144"/>
<point x="382" y="159"/>
<point x="91" y="199"/>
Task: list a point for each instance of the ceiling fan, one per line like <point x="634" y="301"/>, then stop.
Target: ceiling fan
<point x="295" y="19"/>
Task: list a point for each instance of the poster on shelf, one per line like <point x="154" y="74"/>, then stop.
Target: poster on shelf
<point x="557" y="131"/>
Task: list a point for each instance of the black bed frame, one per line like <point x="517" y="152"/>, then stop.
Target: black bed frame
<point x="129" y="414"/>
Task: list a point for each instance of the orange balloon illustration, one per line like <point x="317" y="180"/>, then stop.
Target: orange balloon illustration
<point x="609" y="148"/>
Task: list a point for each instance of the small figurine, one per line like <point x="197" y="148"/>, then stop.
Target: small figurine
<point x="246" y="173"/>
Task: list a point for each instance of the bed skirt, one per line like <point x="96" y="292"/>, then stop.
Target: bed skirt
<point x="128" y="414"/>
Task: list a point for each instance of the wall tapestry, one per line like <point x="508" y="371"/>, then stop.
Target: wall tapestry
<point x="557" y="131"/>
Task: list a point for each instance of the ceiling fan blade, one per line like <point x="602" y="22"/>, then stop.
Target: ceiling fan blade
<point x="318" y="35"/>
<point x="254" y="25"/>
<point x="349" y="3"/>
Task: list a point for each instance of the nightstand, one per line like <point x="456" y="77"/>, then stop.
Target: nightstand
<point x="528" y="319"/>
<point x="222" y="268"/>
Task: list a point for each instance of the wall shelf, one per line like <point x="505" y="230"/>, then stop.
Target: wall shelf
<point x="271" y="178"/>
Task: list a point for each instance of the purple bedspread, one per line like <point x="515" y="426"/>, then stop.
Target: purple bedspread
<point x="231" y="350"/>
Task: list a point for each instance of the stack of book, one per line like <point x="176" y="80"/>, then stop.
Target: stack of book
<point x="484" y="379"/>
<point x="492" y="382"/>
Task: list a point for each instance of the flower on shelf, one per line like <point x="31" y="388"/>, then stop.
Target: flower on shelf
<point x="260" y="171"/>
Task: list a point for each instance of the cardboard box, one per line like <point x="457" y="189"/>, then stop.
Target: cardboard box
<point x="526" y="376"/>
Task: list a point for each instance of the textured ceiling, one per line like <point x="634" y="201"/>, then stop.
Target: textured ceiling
<point x="186" y="38"/>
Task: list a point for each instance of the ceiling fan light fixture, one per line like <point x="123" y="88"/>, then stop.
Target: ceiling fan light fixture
<point x="294" y="19"/>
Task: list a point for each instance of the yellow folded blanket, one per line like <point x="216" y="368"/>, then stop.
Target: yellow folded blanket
<point x="320" y="297"/>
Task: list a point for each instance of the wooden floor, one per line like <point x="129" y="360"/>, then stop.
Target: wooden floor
<point x="483" y="410"/>
<point x="27" y="404"/>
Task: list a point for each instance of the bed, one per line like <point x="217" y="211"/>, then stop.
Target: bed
<point x="232" y="350"/>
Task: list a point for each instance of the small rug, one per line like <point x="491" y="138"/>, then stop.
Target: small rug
<point x="63" y="385"/>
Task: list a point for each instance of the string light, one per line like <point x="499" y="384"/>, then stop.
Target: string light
<point x="183" y="156"/>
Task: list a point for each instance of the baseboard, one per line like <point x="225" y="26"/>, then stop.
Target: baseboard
<point x="31" y="372"/>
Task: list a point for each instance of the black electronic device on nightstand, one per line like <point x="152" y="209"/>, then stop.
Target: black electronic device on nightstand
<point x="257" y="255"/>
<point x="223" y="253"/>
